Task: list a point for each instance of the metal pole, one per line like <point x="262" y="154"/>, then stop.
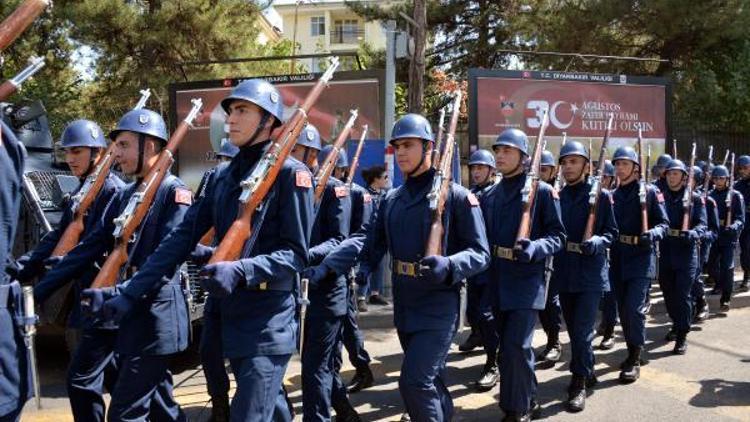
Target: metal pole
<point x="294" y="38"/>
<point x="390" y="82"/>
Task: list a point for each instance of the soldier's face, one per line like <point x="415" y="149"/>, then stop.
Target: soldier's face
<point x="78" y="159"/>
<point x="625" y="171"/>
<point x="479" y="173"/>
<point x="744" y="171"/>
<point x="573" y="167"/>
<point x="507" y="159"/>
<point x="243" y="120"/>
<point x="720" y="183"/>
<point x="127" y="152"/>
<point x="674" y="179"/>
<point x="309" y="156"/>
<point x="607" y="182"/>
<point x="546" y="173"/>
<point x="339" y="172"/>
<point x="409" y="154"/>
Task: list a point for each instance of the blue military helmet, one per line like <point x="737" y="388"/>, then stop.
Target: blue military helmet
<point x="743" y="160"/>
<point x="482" y="157"/>
<point x="609" y="169"/>
<point x="259" y="92"/>
<point x="82" y="133"/>
<point x="698" y="174"/>
<point x="514" y="138"/>
<point x="227" y="149"/>
<point x="341" y="161"/>
<point x="309" y="137"/>
<point x="143" y="121"/>
<point x="720" y="171"/>
<point x="663" y="160"/>
<point x="625" y="153"/>
<point x="548" y="160"/>
<point x="676" y="165"/>
<point x="412" y="126"/>
<point x="573" y="148"/>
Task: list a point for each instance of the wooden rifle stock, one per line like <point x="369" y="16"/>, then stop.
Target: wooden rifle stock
<point x="355" y="160"/>
<point x="528" y="192"/>
<point x="19" y="20"/>
<point x="596" y="189"/>
<point x="326" y="169"/>
<point x="441" y="184"/>
<point x="263" y="176"/>
<point x="642" y="190"/>
<point x="140" y="203"/>
<point x="687" y="201"/>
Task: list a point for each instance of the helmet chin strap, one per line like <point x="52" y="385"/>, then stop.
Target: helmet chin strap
<point x="141" y="150"/>
<point x="258" y="129"/>
<point x="421" y="160"/>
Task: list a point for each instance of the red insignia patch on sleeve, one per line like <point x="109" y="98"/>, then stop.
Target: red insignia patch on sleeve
<point x="183" y="196"/>
<point x="341" y="191"/>
<point x="303" y="179"/>
<point x="473" y="201"/>
<point x="367" y="197"/>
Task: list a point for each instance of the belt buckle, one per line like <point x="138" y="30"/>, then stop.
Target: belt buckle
<point x="573" y="247"/>
<point x="504" y="253"/>
<point x="674" y="232"/>
<point x="406" y="268"/>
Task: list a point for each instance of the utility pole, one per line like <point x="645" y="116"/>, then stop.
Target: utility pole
<point x="417" y="64"/>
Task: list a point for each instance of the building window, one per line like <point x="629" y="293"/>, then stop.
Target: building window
<point x="347" y="31"/>
<point x="317" y="25"/>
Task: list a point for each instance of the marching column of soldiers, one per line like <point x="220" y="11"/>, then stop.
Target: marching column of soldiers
<point x="537" y="238"/>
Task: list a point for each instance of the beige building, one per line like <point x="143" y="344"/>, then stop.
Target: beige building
<point x="326" y="26"/>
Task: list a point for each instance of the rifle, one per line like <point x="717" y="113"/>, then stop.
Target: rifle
<point x="19" y="20"/>
<point x="558" y="179"/>
<point x="687" y="199"/>
<point x="674" y="148"/>
<point x="140" y="203"/>
<point x="728" y="221"/>
<point x="326" y="169"/>
<point x="648" y="163"/>
<point x="528" y="193"/>
<point x="256" y="187"/>
<point x="304" y="301"/>
<point x="30" y="319"/>
<point x="438" y="140"/>
<point x="355" y="160"/>
<point x="642" y="192"/>
<point x="12" y="85"/>
<point x="32" y="198"/>
<point x="596" y="187"/>
<point x="86" y="196"/>
<point x="441" y="184"/>
<point x="707" y="177"/>
<point x="726" y="157"/>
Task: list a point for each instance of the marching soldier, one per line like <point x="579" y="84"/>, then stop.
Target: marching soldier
<point x="517" y="275"/>
<point x="581" y="268"/>
<point x="211" y="351"/>
<point x="479" y="308"/>
<point x="679" y="253"/>
<point x="632" y="255"/>
<point x="700" y="305"/>
<point x="15" y="379"/>
<point x="83" y="143"/>
<point x="743" y="186"/>
<point x="156" y="325"/>
<point x="729" y="232"/>
<point x="328" y="295"/>
<point x="256" y="292"/>
<point x="352" y="337"/>
<point x="658" y="171"/>
<point x="551" y="316"/>
<point x="609" y="303"/>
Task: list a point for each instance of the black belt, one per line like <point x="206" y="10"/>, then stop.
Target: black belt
<point x="573" y="247"/>
<point x="263" y="285"/>
<point x="503" y="253"/>
<point x="628" y="240"/>
<point x="410" y="269"/>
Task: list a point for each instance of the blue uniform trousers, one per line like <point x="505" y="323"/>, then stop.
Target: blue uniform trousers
<point x="608" y="305"/>
<point x="86" y="374"/>
<point x="745" y="250"/>
<point x="421" y="384"/>
<point x="259" y="395"/>
<point x="725" y="261"/>
<point x="212" y="356"/>
<point x="144" y="391"/>
<point x="322" y="337"/>
<point x="353" y="339"/>
<point x="677" y="284"/>
<point x="479" y="314"/>
<point x="631" y="303"/>
<point x="518" y="381"/>
<point x="579" y="310"/>
<point x="551" y="317"/>
<point x="338" y="390"/>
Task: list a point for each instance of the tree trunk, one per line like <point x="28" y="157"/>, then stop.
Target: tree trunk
<point x="417" y="64"/>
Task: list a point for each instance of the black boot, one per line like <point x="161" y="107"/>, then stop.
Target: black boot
<point x="577" y="394"/>
<point x="671" y="335"/>
<point x="631" y="368"/>
<point x="219" y="409"/>
<point x="608" y="339"/>
<point x="701" y="311"/>
<point x="362" y="379"/>
<point x="490" y="375"/>
<point x="680" y="345"/>
<point x="345" y="412"/>
<point x="743" y="284"/>
<point x="552" y="352"/>
<point x="533" y="413"/>
<point x="472" y="342"/>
